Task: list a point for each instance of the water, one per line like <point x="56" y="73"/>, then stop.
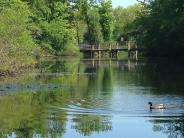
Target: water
<point x="94" y="99"/>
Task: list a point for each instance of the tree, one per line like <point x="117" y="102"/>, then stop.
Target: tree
<point x="106" y="19"/>
<point x="16" y="43"/>
<point x="94" y="35"/>
<point x="88" y="12"/>
<point x="160" y="28"/>
<point x="53" y="28"/>
<point x="124" y="21"/>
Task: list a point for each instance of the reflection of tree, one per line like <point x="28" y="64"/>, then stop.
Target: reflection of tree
<point x="61" y="71"/>
<point x="103" y="80"/>
<point x="57" y="125"/>
<point x="107" y="81"/>
<point x="174" y="128"/>
<point x="164" y="75"/>
<point x="55" y="66"/>
<point x="29" y="114"/>
<point x="26" y="115"/>
<point x="87" y="124"/>
<point x="95" y="86"/>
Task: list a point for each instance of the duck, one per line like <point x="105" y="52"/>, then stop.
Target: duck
<point x="158" y="106"/>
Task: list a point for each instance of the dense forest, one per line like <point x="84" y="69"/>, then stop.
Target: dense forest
<point x="160" y="29"/>
<point x="30" y="29"/>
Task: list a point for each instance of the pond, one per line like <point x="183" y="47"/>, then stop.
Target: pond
<point x="94" y="99"/>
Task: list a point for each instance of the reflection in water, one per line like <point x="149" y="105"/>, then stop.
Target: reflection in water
<point x="86" y="124"/>
<point x="173" y="127"/>
<point x="85" y="98"/>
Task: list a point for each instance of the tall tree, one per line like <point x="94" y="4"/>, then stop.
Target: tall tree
<point x="106" y="19"/>
<point x="89" y="13"/>
<point x="16" y="43"/>
<point x="160" y="27"/>
<point x="15" y="20"/>
<point x="124" y="20"/>
<point x="52" y="25"/>
<point x="94" y="35"/>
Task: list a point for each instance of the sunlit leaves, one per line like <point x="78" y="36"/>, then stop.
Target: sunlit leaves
<point x="16" y="43"/>
<point x="106" y="19"/>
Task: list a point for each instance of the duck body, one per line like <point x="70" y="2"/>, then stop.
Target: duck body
<point x="158" y="106"/>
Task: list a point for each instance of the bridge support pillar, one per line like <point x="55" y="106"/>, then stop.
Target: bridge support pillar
<point x="99" y="54"/>
<point x="129" y="53"/>
<point x="113" y="54"/>
<point x="110" y="54"/>
<point x="92" y="54"/>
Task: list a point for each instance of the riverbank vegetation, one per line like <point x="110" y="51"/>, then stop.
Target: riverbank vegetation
<point x="16" y="43"/>
<point x="30" y="29"/>
<point x="160" y="29"/>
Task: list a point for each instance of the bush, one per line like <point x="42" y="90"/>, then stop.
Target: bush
<point x="16" y="43"/>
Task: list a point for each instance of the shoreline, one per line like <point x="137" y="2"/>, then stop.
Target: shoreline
<point x="16" y="71"/>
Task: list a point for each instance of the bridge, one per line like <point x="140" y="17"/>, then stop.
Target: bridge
<point x="89" y="51"/>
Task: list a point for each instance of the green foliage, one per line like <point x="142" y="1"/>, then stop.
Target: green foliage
<point x="88" y="12"/>
<point x="79" y="23"/>
<point x="53" y="29"/>
<point x="94" y="35"/>
<point x="16" y="43"/>
<point x="124" y="20"/>
<point x="57" y="27"/>
<point x="106" y="19"/>
<point x="58" y="34"/>
<point x="160" y="28"/>
<point x="83" y="7"/>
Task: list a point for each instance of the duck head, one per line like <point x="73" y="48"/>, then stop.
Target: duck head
<point x="150" y="103"/>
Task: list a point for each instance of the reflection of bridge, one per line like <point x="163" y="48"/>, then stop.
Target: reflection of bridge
<point x="93" y="64"/>
<point x="91" y="51"/>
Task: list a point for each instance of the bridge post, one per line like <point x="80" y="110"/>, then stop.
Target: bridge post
<point x="129" y="49"/>
<point x="92" y="51"/>
<point x="117" y="47"/>
<point x="117" y="54"/>
<point x="99" y="52"/>
<point x="136" y="53"/>
<point x="93" y="63"/>
<point x="110" y="51"/>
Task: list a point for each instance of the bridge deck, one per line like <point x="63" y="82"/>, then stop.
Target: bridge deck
<point x="110" y="50"/>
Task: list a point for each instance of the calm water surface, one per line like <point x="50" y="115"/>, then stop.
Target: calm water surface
<point x="94" y="99"/>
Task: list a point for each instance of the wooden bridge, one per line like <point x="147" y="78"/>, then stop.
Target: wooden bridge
<point x="91" y="51"/>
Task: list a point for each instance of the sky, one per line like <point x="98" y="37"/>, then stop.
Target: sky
<point x="123" y="3"/>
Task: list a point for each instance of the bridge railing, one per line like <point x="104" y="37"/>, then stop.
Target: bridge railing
<point x="113" y="45"/>
<point x="85" y="46"/>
